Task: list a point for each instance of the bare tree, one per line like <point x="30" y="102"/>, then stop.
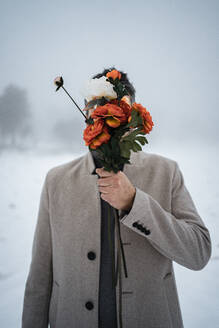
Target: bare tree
<point x="15" y="116"/>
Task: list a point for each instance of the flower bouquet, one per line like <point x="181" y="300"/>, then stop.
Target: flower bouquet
<point x="115" y="126"/>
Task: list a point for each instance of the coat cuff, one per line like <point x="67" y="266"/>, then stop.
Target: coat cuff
<point x="137" y="212"/>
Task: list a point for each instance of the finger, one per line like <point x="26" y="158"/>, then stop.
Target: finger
<point x="105" y="181"/>
<point x="103" y="173"/>
<point x="105" y="197"/>
<point x="105" y="190"/>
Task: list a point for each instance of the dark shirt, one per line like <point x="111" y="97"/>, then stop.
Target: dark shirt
<point x="107" y="294"/>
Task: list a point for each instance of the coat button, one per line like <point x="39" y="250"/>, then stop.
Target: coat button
<point x="91" y="255"/>
<point x="147" y="232"/>
<point x="89" y="305"/>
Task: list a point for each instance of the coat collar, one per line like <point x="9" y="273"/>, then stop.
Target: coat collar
<point x="90" y="165"/>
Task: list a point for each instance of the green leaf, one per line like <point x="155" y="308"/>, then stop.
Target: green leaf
<point x="146" y="140"/>
<point x="124" y="149"/>
<point x="125" y="153"/>
<point x="142" y="140"/>
<point x="131" y="136"/>
<point x="136" y="119"/>
<point x="136" y="146"/>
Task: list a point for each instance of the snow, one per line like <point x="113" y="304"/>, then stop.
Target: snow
<point x="22" y="175"/>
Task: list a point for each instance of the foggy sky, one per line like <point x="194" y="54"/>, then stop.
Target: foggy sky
<point x="168" y="48"/>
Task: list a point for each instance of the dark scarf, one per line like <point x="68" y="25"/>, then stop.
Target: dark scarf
<point x="96" y="157"/>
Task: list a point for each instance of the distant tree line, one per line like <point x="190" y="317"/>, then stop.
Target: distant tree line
<point x="17" y="128"/>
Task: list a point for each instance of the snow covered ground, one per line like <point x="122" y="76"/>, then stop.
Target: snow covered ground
<point x="22" y="175"/>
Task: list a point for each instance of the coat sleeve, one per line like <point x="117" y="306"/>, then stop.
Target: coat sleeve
<point x="180" y="235"/>
<point x="39" y="281"/>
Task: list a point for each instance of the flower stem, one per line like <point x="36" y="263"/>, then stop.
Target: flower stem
<point x="74" y="102"/>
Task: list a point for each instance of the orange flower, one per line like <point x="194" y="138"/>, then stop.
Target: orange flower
<point x="113" y="114"/>
<point x="124" y="105"/>
<point x="114" y="74"/>
<point x="95" y="134"/>
<point x="146" y="117"/>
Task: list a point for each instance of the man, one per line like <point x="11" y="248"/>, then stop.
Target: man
<point x="69" y="284"/>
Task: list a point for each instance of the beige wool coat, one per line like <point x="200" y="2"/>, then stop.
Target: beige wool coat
<point x="162" y="226"/>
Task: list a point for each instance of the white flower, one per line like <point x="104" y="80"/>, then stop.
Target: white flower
<point x="98" y="88"/>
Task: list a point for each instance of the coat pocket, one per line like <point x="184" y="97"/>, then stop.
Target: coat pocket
<point x="53" y="304"/>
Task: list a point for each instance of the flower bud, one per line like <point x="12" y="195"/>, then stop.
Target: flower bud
<point x="58" y="81"/>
